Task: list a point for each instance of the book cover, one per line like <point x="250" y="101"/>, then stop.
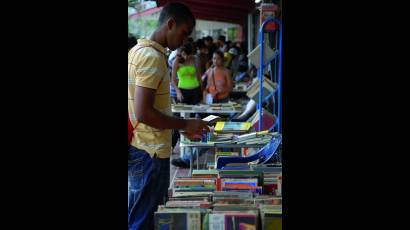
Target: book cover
<point x="232" y="126"/>
<point x="271" y="221"/>
<point x="177" y="221"/>
<point x="191" y="194"/>
<point x="188" y="182"/>
<point x="240" y="221"/>
<point x="239" y="181"/>
<point x="205" y="173"/>
<point x="268" y="87"/>
<point x="212" y="119"/>
<point x="268" y="120"/>
<point x="216" y="221"/>
<point x="268" y="54"/>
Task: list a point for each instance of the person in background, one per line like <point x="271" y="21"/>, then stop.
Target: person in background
<point x="235" y="60"/>
<point x="191" y="41"/>
<point x="149" y="111"/>
<point x="202" y="56"/>
<point x="221" y="42"/>
<point x="187" y="86"/>
<point x="242" y="75"/>
<point x="219" y="81"/>
<point x="241" y="47"/>
<point x="171" y="60"/>
<point x="209" y="42"/>
<point x="232" y="60"/>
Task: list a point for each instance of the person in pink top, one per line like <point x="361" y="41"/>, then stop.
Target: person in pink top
<point x="219" y="81"/>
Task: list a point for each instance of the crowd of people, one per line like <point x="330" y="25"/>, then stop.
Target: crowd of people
<point x="209" y="67"/>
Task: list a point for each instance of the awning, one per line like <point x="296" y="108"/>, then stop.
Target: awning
<point x="233" y="11"/>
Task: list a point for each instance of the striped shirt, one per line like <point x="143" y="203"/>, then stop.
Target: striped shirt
<point x="147" y="68"/>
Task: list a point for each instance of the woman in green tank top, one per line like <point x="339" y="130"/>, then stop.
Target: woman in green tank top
<point x="187" y="86"/>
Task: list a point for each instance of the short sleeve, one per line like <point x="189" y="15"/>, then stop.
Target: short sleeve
<point x="147" y="70"/>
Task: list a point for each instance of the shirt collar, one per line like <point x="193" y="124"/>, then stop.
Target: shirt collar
<point x="144" y="41"/>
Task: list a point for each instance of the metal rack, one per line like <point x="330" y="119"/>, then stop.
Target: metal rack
<point x="277" y="71"/>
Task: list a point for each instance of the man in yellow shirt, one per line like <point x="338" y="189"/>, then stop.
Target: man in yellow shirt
<point x="149" y="107"/>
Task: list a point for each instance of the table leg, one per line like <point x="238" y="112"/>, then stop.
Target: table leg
<point x="182" y="137"/>
<point x="190" y="162"/>
<point x="197" y="158"/>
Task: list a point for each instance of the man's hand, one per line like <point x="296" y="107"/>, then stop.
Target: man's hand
<point x="195" y="127"/>
<point x="192" y="137"/>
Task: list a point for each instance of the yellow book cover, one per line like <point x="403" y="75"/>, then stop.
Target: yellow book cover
<point x="232" y="126"/>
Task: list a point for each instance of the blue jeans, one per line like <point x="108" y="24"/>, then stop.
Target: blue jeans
<point x="148" y="182"/>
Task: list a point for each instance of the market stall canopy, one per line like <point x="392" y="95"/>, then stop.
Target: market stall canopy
<point x="232" y="11"/>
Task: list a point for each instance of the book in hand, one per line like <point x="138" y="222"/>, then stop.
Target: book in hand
<point x="212" y="119"/>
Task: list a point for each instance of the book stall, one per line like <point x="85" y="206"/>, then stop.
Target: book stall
<point x="241" y="187"/>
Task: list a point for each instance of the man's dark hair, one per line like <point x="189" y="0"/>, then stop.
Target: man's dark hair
<point x="220" y="54"/>
<point x="209" y="39"/>
<point x="187" y="48"/>
<point x="200" y="44"/>
<point x="222" y="38"/>
<point x="178" y="11"/>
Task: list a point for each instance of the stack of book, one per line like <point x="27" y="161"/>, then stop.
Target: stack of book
<point x="200" y="107"/>
<point x="235" y="209"/>
<point x="268" y="87"/>
<point x="205" y="173"/>
<point x="254" y="138"/>
<point x="176" y="219"/>
<point x="226" y="106"/>
<point x="222" y="200"/>
<point x="270" y="177"/>
<point x="268" y="199"/>
<point x="224" y="154"/>
<point x="230" y="220"/>
<point x="239" y="180"/>
<point x="232" y="197"/>
<point x="222" y="137"/>
<point x="180" y="106"/>
<point x="193" y="187"/>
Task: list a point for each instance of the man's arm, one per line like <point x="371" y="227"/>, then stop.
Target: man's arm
<point x="147" y="114"/>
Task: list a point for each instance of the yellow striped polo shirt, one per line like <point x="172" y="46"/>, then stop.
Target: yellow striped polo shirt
<point x="147" y="68"/>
